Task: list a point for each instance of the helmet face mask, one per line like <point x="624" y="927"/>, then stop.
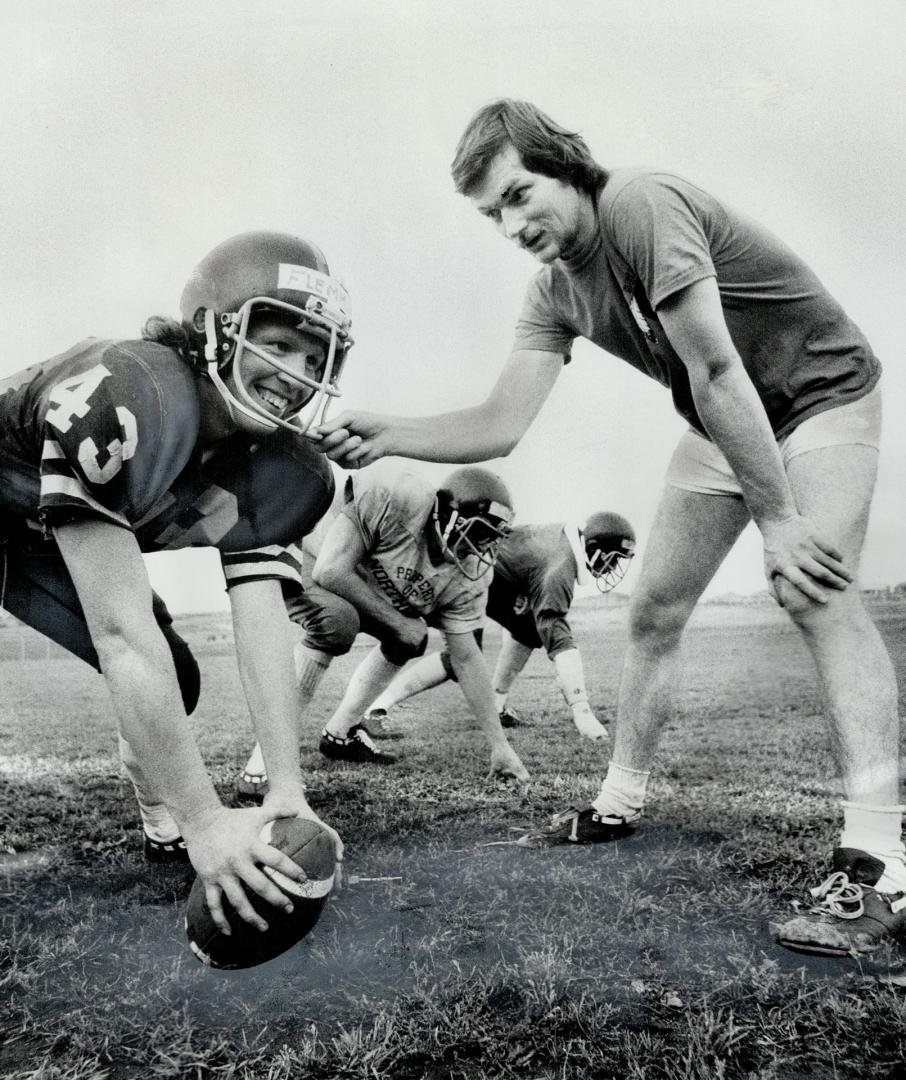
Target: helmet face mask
<point x="472" y="515"/>
<point x="609" y="542"/>
<point x="282" y="275"/>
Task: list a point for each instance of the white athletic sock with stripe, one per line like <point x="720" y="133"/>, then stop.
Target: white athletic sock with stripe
<point x="622" y="792"/>
<point x="877" y="830"/>
<point x="157" y="821"/>
<point x="311" y="666"/>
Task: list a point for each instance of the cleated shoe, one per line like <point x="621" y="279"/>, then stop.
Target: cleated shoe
<point x="380" y="726"/>
<point x="509" y="718"/>
<point x="251" y="787"/>
<point x="357" y="746"/>
<point x="574" y="826"/>
<point x="848" y="917"/>
<point x="165" y="851"/>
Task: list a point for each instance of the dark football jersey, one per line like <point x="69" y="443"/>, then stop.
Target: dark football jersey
<point x="110" y="429"/>
<point x="534" y="579"/>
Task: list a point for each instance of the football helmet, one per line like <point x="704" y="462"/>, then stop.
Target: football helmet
<point x="278" y="273"/>
<point x="609" y="542"/>
<point x="472" y="513"/>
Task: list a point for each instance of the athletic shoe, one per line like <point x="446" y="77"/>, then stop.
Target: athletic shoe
<point x="165" y="851"/>
<point x="574" y="826"/>
<point x="357" y="746"/>
<point x="510" y="718"/>
<point x="848" y="918"/>
<point x="251" y="787"/>
<point x="380" y="726"/>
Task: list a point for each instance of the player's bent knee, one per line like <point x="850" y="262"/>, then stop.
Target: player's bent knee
<point x="399" y="653"/>
<point x="842" y="605"/>
<point x="333" y="631"/>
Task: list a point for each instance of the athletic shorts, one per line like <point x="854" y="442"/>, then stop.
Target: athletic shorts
<point x="697" y="464"/>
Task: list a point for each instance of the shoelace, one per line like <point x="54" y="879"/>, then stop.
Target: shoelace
<point x="363" y="737"/>
<point x="838" y="896"/>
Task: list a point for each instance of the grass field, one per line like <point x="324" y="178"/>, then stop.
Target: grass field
<point x="450" y="953"/>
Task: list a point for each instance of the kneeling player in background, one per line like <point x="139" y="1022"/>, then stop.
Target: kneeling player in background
<point x="537" y="570"/>
<point x="400" y="555"/>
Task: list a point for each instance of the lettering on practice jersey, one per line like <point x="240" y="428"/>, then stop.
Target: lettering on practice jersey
<point x="417" y="586"/>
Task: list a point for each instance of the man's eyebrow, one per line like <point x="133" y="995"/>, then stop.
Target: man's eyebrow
<point x="502" y="197"/>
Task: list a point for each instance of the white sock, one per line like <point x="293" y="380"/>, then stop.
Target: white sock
<point x="372" y="676"/>
<point x="311" y="666"/>
<point x="622" y="792"/>
<point x="255" y="764"/>
<point x="877" y="830"/>
<point x="424" y="674"/>
<point x="587" y="724"/>
<point x="157" y="821"/>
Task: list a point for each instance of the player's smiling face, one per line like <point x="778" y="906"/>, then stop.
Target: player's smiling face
<point x="277" y="335"/>
<point x="548" y="218"/>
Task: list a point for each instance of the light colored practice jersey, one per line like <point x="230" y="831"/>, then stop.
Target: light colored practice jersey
<point x="392" y="507"/>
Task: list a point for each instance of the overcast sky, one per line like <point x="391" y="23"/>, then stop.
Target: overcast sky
<point x="135" y="136"/>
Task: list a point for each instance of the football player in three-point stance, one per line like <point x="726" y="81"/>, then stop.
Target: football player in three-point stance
<point x="537" y="569"/>
<point x="191" y="436"/>
<point x="398" y="557"/>
<point x="781" y="391"/>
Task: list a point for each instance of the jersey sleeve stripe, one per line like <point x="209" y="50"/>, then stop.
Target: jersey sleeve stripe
<point x="51" y="450"/>
<point x="65" y="492"/>
<point x="283" y="563"/>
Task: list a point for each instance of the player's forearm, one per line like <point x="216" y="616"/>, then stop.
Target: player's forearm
<point x="142" y="684"/>
<point x="264" y="653"/>
<point x="464" y="436"/>
<point x="734" y="417"/>
<point x="344" y="582"/>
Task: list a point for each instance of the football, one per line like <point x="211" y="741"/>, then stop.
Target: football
<point x="308" y="844"/>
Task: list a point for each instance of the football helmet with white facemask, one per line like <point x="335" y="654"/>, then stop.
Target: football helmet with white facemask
<point x="275" y="273"/>
<point x="609" y="542"/>
<point x="473" y="509"/>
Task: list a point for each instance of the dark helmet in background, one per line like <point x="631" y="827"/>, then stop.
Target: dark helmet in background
<point x="473" y="510"/>
<point x="609" y="542"/>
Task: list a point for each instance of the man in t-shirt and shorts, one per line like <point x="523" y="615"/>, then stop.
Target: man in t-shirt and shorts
<point x="780" y="391"/>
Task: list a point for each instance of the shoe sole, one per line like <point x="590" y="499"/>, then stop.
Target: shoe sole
<point x="819" y="950"/>
<point x="358" y="760"/>
<point x="544" y="840"/>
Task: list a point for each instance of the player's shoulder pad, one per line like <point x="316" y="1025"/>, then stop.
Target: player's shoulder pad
<point x="125" y="415"/>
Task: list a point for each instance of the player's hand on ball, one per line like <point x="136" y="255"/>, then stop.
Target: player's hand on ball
<point x="505" y="765"/>
<point x="227" y="851"/>
<point x="299" y="807"/>
<point x="354" y="439"/>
